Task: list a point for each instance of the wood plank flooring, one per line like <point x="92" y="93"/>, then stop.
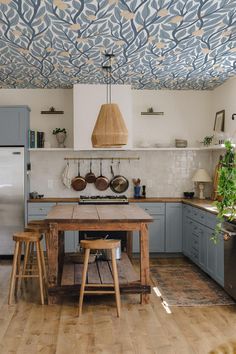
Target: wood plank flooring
<point x="28" y="327"/>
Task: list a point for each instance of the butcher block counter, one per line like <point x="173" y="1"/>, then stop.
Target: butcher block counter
<point x="95" y="217"/>
<point x="205" y="204"/>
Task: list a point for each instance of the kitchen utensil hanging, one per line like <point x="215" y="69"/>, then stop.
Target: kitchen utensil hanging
<point x="102" y="182"/>
<point x="118" y="184"/>
<point x="66" y="180"/>
<point x="90" y="176"/>
<point x="78" y="183"/>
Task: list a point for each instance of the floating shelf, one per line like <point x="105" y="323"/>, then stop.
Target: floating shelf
<point x="52" y="110"/>
<point x="217" y="147"/>
<point x="152" y="113"/>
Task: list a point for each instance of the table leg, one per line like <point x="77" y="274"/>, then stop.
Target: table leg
<point x="52" y="260"/>
<point x="144" y="261"/>
<point x="129" y="244"/>
<point x="61" y="255"/>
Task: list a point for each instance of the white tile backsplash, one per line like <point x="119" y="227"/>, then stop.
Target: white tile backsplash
<point x="165" y="173"/>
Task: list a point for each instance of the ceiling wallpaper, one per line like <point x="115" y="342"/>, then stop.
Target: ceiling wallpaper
<point x="158" y="44"/>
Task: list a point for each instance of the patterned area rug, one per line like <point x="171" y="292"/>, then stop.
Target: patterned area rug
<point x="187" y="285"/>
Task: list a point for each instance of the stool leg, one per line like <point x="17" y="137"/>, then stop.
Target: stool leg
<point x="26" y="257"/>
<point x="18" y="268"/>
<point x="116" y="281"/>
<point x="13" y="274"/>
<point x="81" y="296"/>
<point x="43" y="269"/>
<point x="31" y="257"/>
<point x="38" y="255"/>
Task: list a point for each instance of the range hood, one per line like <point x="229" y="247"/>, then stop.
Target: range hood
<point x="110" y="129"/>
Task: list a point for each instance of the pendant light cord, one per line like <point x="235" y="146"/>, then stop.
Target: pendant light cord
<point x="108" y="79"/>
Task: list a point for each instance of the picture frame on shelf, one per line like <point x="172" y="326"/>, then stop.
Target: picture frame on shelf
<point x="219" y="124"/>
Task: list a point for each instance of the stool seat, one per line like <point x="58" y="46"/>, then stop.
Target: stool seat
<point x="100" y="244"/>
<point x="27" y="236"/>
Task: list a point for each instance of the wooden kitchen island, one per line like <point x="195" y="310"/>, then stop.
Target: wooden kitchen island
<point x="91" y="218"/>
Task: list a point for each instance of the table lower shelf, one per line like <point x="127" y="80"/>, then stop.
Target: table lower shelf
<point x="99" y="272"/>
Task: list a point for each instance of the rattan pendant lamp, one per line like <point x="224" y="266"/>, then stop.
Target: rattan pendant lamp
<point x="110" y="129"/>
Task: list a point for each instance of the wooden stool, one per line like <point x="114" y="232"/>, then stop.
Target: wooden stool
<point x="95" y="245"/>
<point x="27" y="238"/>
<point x="39" y="226"/>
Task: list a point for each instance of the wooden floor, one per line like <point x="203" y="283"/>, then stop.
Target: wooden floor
<point x="28" y="327"/>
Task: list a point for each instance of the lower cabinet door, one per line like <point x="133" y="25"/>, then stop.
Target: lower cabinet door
<point x="173" y="239"/>
<point x="156" y="231"/>
<point x="219" y="276"/>
<point x="203" y="249"/>
<point x="71" y="241"/>
<point x="187" y="236"/>
<point x="157" y="234"/>
<point x="211" y="253"/>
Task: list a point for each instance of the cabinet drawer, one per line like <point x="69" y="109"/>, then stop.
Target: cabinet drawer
<point x="197" y="229"/>
<point x="153" y="208"/>
<point x="211" y="220"/>
<point x="198" y="215"/>
<point x="39" y="208"/>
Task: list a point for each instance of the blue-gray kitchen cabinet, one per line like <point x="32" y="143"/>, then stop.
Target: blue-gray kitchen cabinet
<point x="174" y="229"/>
<point x="156" y="228"/>
<point x="219" y="274"/>
<point x="39" y="211"/>
<point x="198" y="228"/>
<point x="14" y="124"/>
<point x="187" y="231"/>
<point x="71" y="238"/>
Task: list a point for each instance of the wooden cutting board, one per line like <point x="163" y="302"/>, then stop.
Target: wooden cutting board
<point x="216" y="180"/>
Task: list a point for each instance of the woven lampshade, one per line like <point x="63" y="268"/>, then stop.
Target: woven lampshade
<point x="110" y="129"/>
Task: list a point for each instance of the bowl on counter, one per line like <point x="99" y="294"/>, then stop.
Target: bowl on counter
<point x="189" y="195"/>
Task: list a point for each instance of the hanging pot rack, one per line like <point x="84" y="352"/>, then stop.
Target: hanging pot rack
<point x="102" y="158"/>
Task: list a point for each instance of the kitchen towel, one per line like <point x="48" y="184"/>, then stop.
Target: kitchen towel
<point x="66" y="179"/>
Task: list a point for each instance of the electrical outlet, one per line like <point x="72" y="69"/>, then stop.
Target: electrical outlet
<point x="50" y="183"/>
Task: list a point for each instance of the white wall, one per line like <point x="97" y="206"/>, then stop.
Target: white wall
<point x="224" y="97"/>
<point x="187" y="115"/>
<point x="41" y="100"/>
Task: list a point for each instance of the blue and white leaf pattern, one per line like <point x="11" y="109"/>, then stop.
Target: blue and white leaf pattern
<point x="164" y="44"/>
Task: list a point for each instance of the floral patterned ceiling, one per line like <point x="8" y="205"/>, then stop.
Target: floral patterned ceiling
<point x="158" y="44"/>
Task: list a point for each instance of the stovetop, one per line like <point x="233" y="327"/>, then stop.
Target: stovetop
<point x="104" y="199"/>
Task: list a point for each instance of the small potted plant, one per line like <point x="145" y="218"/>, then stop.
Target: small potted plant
<point x="226" y="191"/>
<point x="60" y="136"/>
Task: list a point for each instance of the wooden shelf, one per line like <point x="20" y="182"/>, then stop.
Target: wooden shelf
<point x="51" y="149"/>
<point x="52" y="110"/>
<point x="152" y="113"/>
<point x="212" y="148"/>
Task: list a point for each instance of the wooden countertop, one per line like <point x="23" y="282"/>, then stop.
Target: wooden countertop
<point x="131" y="200"/>
<point x="207" y="205"/>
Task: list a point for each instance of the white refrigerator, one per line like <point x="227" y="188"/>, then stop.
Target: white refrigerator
<point x="11" y="196"/>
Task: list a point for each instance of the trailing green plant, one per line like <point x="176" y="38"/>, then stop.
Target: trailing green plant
<point x="59" y="130"/>
<point x="226" y="204"/>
